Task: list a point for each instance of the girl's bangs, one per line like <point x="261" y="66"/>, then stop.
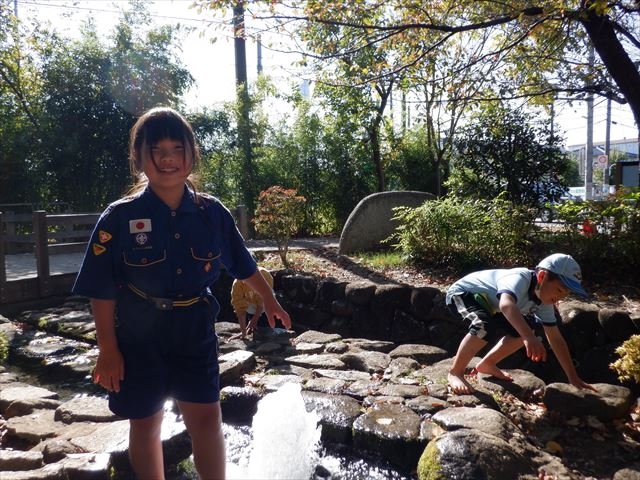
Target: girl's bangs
<point x="157" y="129"/>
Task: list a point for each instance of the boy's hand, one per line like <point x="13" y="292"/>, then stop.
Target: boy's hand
<point x="582" y="385"/>
<point x="535" y="349"/>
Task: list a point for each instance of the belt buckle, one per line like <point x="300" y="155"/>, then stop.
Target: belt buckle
<point x="163" y="303"/>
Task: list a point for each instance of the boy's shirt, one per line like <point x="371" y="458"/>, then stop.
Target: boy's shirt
<point x="244" y="298"/>
<point x="517" y="282"/>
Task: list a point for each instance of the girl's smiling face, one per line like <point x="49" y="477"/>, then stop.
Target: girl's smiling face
<point x="166" y="165"/>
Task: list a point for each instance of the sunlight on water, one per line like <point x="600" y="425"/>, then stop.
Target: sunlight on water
<point x="285" y="440"/>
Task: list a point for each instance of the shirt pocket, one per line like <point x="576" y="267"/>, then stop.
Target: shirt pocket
<point x="144" y="258"/>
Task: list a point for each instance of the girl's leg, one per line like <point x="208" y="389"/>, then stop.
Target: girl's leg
<point x="469" y="346"/>
<point x="505" y="347"/>
<point x="204" y="424"/>
<point x="145" y="446"/>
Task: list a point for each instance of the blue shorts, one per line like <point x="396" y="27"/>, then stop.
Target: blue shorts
<point x="167" y="354"/>
<point x="482" y="323"/>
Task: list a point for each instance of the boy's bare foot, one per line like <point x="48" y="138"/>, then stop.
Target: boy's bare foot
<point x="494" y="371"/>
<point x="459" y="384"/>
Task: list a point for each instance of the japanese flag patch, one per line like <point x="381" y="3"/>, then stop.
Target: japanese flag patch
<point x="140" y="225"/>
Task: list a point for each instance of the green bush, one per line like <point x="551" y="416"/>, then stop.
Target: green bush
<point x="613" y="247"/>
<point x="4" y="347"/>
<point x="465" y="234"/>
<point x="475" y="234"/>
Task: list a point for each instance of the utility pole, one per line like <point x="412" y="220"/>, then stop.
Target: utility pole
<point x="588" y="167"/>
<point x="244" y="104"/>
<point x="607" y="151"/>
<point x="259" y="44"/>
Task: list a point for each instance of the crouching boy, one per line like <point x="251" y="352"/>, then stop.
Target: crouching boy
<point x="489" y="301"/>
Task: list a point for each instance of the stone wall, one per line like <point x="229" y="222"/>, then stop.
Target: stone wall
<point x="403" y="314"/>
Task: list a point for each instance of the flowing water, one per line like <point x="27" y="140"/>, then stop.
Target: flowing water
<point x="284" y="443"/>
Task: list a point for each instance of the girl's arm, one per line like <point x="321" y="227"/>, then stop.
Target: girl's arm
<point x="272" y="308"/>
<point x="109" y="369"/>
<point x="561" y="350"/>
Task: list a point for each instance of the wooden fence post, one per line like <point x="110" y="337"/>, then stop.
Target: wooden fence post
<point x="242" y="221"/>
<point x="3" y="264"/>
<point x="42" y="255"/>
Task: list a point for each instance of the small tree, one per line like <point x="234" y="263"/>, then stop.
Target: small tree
<point x="628" y="365"/>
<point x="279" y="215"/>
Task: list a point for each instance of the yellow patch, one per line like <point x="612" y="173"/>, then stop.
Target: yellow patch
<point x="104" y="236"/>
<point x="98" y="249"/>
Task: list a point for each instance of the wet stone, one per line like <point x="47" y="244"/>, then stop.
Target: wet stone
<point x="12" y="460"/>
<point x="33" y="428"/>
<point x="403" y="391"/>
<point x="304" y="348"/>
<point x="21" y="392"/>
<point x="347" y="375"/>
<point x="368" y="361"/>
<point x="21" y="407"/>
<point x="336" y="347"/>
<point x="391" y="431"/>
<point x="524" y="384"/>
<point x="608" y="403"/>
<point x="400" y="367"/>
<point x="326" y="361"/>
<point x="337" y="414"/>
<point x="425" y="404"/>
<point x="85" y="409"/>
<point x="423" y="354"/>
<point x="484" y="419"/>
<point x="313" y="336"/>
<point x="363" y="388"/>
<point x="325" y="385"/>
<point x="268" y="348"/>
<point x="370" y="345"/>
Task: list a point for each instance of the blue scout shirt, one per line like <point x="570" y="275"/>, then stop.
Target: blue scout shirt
<point x="517" y="282"/>
<point x="162" y="252"/>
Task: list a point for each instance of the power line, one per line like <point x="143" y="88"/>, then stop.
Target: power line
<point x="105" y="10"/>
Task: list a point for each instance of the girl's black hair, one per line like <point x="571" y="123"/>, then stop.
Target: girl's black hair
<point x="153" y="126"/>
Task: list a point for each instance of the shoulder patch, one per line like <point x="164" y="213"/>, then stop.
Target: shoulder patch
<point x="98" y="249"/>
<point x="104" y="236"/>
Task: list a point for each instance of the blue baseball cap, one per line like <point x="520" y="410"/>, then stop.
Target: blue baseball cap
<point x="567" y="270"/>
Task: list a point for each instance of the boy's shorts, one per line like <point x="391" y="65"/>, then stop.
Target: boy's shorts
<point x="473" y="309"/>
<point x="167" y="353"/>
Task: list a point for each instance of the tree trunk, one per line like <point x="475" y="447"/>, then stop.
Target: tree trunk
<point x="613" y="55"/>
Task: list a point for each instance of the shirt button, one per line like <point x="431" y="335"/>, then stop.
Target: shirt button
<point x="179" y="271"/>
<point x="177" y="236"/>
<point x="173" y="214"/>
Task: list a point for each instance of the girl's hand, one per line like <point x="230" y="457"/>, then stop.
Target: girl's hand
<point x="109" y="370"/>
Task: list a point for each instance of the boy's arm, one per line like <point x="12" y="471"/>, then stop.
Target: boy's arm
<point x="534" y="347"/>
<point x="561" y="350"/>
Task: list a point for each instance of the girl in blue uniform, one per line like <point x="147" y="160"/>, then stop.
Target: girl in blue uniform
<point x="147" y="270"/>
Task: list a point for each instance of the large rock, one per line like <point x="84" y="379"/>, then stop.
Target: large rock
<point x="370" y="222"/>
<point x="608" y="403"/>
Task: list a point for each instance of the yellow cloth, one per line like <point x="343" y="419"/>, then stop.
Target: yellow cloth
<point x="243" y="296"/>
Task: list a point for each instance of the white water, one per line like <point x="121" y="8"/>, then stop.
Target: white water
<point x="285" y="439"/>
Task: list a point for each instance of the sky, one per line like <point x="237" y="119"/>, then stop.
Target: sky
<point x="212" y="64"/>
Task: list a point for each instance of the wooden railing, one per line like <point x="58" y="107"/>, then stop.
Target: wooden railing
<point x="44" y="235"/>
